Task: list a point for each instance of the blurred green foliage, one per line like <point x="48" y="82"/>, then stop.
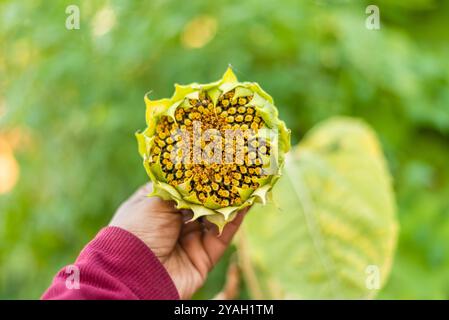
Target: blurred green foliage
<point x="70" y="100"/>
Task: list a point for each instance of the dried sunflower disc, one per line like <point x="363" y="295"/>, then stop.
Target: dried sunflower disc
<point x="214" y="148"/>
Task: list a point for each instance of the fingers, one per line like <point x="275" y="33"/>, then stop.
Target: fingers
<point x="202" y="242"/>
<point x="214" y="244"/>
<point x="200" y="237"/>
<point x="191" y="226"/>
<point x="190" y="241"/>
<point x="231" y="228"/>
<point x="187" y="215"/>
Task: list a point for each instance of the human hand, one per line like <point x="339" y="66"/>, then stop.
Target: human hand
<point x="188" y="251"/>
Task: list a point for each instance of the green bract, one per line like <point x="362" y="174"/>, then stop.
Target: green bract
<point x="214" y="148"/>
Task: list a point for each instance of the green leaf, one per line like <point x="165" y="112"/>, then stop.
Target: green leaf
<point x="336" y="218"/>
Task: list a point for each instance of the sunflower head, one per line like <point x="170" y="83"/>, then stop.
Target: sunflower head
<point x="214" y="148"/>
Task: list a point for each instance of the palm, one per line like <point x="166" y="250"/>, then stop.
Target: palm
<point x="187" y="250"/>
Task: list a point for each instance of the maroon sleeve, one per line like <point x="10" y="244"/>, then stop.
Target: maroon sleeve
<point x="115" y="265"/>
